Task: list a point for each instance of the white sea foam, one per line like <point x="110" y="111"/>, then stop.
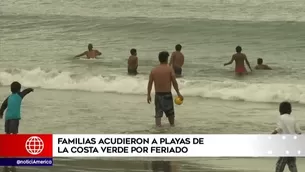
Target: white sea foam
<point x="226" y="90"/>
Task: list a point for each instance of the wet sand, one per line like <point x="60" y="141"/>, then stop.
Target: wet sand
<point x="122" y="166"/>
<point x="51" y="111"/>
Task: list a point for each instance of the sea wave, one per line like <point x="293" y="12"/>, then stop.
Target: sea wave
<point x="242" y="10"/>
<point x="226" y="90"/>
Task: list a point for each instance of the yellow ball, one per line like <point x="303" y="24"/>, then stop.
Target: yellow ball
<point x="178" y="101"/>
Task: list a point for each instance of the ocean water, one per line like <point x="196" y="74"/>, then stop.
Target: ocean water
<point x="39" y="39"/>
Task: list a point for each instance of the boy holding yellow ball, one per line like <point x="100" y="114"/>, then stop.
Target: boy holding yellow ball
<point x="163" y="77"/>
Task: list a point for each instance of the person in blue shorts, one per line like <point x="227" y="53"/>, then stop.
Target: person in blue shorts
<point x="163" y="77"/>
<point x="12" y="105"/>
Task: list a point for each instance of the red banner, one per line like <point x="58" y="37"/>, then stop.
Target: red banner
<point x="26" y="145"/>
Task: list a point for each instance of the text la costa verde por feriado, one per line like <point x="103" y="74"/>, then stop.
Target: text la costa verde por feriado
<point x="125" y="145"/>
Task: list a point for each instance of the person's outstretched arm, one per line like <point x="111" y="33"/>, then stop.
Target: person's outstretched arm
<point x="230" y="62"/>
<point x="3" y="107"/>
<point x="98" y="53"/>
<point x="25" y="92"/>
<point x="82" y="54"/>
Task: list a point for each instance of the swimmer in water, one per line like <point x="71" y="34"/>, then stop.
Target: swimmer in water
<point x="177" y="60"/>
<point x="91" y="53"/>
<point x="132" y="62"/>
<point x="163" y="77"/>
<point x="239" y="59"/>
<point x="261" y="66"/>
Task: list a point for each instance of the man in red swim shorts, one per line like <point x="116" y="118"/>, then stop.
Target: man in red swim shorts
<point x="239" y="59"/>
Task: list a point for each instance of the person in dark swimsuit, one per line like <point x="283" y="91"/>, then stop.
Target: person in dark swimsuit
<point x="133" y="62"/>
<point x="177" y="60"/>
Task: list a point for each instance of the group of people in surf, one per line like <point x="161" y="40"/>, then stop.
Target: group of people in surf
<point x="240" y="59"/>
<point x="177" y="61"/>
<point x="164" y="76"/>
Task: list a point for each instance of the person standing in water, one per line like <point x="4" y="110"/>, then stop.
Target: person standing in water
<point x="91" y="53"/>
<point x="133" y="62"/>
<point x="240" y="59"/>
<point x="163" y="77"/>
<point x="177" y="60"/>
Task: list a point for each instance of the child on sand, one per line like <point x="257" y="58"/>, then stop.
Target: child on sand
<point x="286" y="125"/>
<point x="13" y="105"/>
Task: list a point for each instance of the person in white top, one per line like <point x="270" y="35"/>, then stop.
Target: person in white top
<point x="286" y="125"/>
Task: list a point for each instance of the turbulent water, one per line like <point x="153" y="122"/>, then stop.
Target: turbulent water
<point x="39" y="39"/>
<point x="219" y="88"/>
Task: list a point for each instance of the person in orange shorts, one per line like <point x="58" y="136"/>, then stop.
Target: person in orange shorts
<point x="240" y="59"/>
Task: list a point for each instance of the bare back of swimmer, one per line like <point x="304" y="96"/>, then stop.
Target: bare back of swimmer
<point x="91" y="53"/>
<point x="240" y="59"/>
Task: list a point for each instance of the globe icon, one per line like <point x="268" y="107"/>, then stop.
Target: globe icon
<point x="34" y="145"/>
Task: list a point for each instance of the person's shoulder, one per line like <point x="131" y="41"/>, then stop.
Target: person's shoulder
<point x="14" y="95"/>
<point x="154" y="68"/>
<point x="266" y="66"/>
<point x="286" y="117"/>
<point x="9" y="96"/>
<point x="169" y="69"/>
<point x="257" y="67"/>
